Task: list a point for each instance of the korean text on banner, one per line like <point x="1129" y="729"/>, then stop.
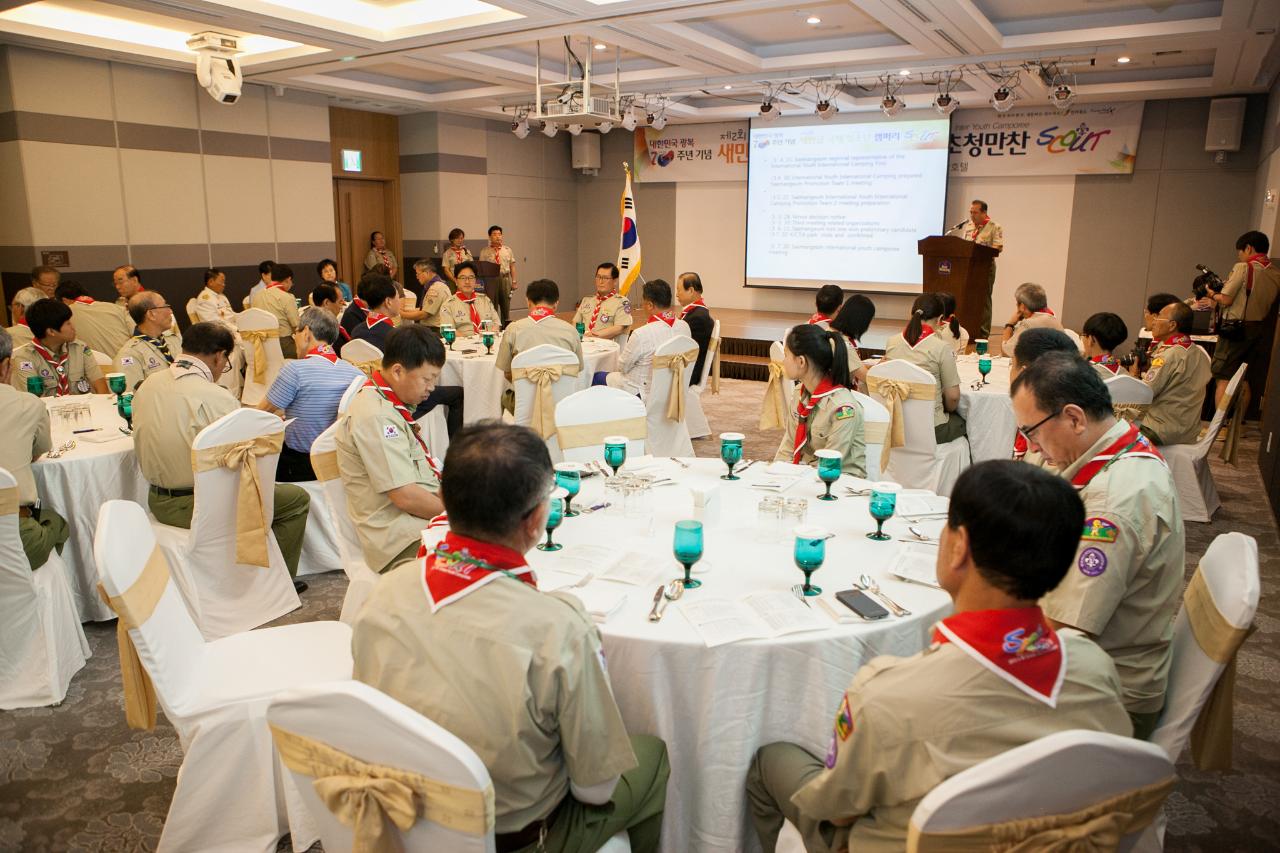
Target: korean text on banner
<point x="692" y="152"/>
<point x="1090" y="139"/>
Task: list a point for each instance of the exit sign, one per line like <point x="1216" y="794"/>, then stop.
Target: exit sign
<point x="352" y="160"/>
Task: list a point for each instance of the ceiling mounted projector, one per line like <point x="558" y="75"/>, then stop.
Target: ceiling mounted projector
<point x="945" y="104"/>
<point x="1002" y="99"/>
<point x="769" y="112"/>
<point x="890" y="105"/>
<point x="826" y="110"/>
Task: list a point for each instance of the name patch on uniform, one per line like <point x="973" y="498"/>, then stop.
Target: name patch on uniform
<point x="126" y="361"/>
<point x="390" y="431"/>
<point x="151" y="362"/>
<point x="26" y="365"/>
<point x="1092" y="562"/>
<point x="845" y="412"/>
<point x="1098" y="529"/>
<point x="844" y="720"/>
<point x="831" y="752"/>
<point x="626" y="305"/>
<point x="1157" y="362"/>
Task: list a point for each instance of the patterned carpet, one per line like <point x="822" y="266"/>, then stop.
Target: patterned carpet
<point x="76" y="778"/>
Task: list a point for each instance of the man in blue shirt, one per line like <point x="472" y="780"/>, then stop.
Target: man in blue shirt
<point x="308" y="390"/>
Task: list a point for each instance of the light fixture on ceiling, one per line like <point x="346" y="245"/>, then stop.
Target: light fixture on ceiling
<point x="891" y="105"/>
<point x="629" y="119"/>
<point x="520" y="127"/>
<point x="813" y="20"/>
<point x="906" y="72"/>
<point x="659" y="121"/>
<point x="549" y="130"/>
<point x="769" y="111"/>
<point x="1123" y="60"/>
<point x="1062" y="96"/>
<point x="1002" y="99"/>
<point x="825" y="109"/>
<point x="945" y="103"/>
<point x="601" y="46"/>
<point x="575" y="129"/>
<point x="728" y="86"/>
<point x="604" y="126"/>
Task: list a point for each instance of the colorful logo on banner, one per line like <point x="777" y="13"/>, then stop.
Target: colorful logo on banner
<point x="1090" y="139"/>
<point x="691" y="152"/>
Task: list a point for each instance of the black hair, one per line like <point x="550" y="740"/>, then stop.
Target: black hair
<point x="1182" y="317"/>
<point x="455" y="233"/>
<point x="1058" y="379"/>
<point x="828" y="299"/>
<point x="611" y="267"/>
<point x="324" y="292"/>
<point x="138" y="306"/>
<point x="542" y="291"/>
<point x="281" y="272"/>
<point x="69" y="288"/>
<point x="1255" y="239"/>
<point x="1037" y="341"/>
<point x="926" y="307"/>
<point x="493" y="228"/>
<point x="1023" y="525"/>
<point x="327" y="262"/>
<point x="413" y="346"/>
<point x="949" y="312"/>
<point x="377" y="289"/>
<point x="208" y="339"/>
<point x="373" y="234"/>
<point x="1105" y="328"/>
<point x="264" y="268"/>
<point x="658" y="292"/>
<point x="1157" y="301"/>
<point x="47" y="315"/>
<point x="210" y="274"/>
<point x="982" y="205"/>
<point x="466" y="265"/>
<point x="495" y="475"/>
<point x="691" y="280"/>
<point x="36" y="272"/>
<point x="855" y="316"/>
<point x="823" y="349"/>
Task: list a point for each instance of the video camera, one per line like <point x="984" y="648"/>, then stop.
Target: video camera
<point x="1207" y="280"/>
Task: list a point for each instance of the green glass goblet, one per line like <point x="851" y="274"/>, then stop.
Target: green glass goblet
<point x="554" y="517"/>
<point x="884" y="498"/>
<point x="830" y="463"/>
<point x="731" y="452"/>
<point x="569" y="478"/>
<point x="615" y="451"/>
<point x="810" y="552"/>
<point x="687" y="547"/>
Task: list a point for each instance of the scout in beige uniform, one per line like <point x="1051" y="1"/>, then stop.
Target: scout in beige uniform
<point x="607" y="313"/>
<point x="279" y="301"/>
<point x="1031" y="311"/>
<point x="153" y="346"/>
<point x="436" y="294"/>
<point x="984" y="231"/>
<point x="828" y="417"/>
<point x="100" y="326"/>
<point x="454" y="255"/>
<point x="496" y="253"/>
<point x="64" y="364"/>
<point x="20" y="332"/>
<point x="1126" y="581"/>
<point x="540" y="327"/>
<point x="919" y="345"/>
<point x="24" y="423"/>
<point x="996" y="677"/>
<point x="463" y="636"/>
<point x="1249" y="294"/>
<point x="171" y="408"/>
<point x="1178" y="376"/>
<point x="391" y="478"/>
<point x="466" y="309"/>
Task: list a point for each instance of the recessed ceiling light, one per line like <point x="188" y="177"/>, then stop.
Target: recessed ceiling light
<point x="728" y="85"/>
<point x="813" y="20"/>
<point x="1122" y="59"/>
<point x="906" y="72"/>
<point x="601" y="46"/>
<point x="347" y="59"/>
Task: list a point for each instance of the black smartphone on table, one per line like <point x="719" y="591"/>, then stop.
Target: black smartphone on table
<point x="861" y="603"/>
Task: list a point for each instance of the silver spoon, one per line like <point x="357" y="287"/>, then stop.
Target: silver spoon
<point x="870" y="585"/>
<point x="674" y="590"/>
<point x="921" y="535"/>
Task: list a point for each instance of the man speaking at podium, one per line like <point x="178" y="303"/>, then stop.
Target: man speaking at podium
<point x="985" y="231"/>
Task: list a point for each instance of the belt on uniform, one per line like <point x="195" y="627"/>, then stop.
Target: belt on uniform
<point x="172" y="493"/>
<point x="25" y="511"/>
<point x="508" y="842"/>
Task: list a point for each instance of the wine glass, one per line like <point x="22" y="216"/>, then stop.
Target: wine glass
<point x="487" y="340"/>
<point x="35" y="385"/>
<point x="582" y="330"/>
<point x="984" y="367"/>
<point x="449" y="333"/>
<point x="615" y="451"/>
<point x="124" y="407"/>
<point x="569" y="478"/>
<point x="116" y="382"/>
<point x="884" y="498"/>
<point x="810" y="552"/>
<point x="731" y="452"/>
<point x="981" y="346"/>
<point x="687" y="546"/>
<point x="829" y="464"/>
<point x="554" y="517"/>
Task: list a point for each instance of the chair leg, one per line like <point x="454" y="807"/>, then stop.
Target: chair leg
<point x="1231" y="445"/>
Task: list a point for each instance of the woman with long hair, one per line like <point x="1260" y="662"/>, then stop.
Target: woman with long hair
<point x="920" y="344"/>
<point x="380" y="254"/>
<point x="827" y="415"/>
<point x="852" y="322"/>
<point x="949" y="328"/>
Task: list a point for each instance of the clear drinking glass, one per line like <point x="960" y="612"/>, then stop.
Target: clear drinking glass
<point x="795" y="512"/>
<point x="768" y="518"/>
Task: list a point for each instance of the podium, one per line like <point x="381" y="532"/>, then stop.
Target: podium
<point x="963" y="268"/>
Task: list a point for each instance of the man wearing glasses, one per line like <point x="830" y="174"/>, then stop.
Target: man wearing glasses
<point x="606" y="313"/>
<point x="154" y="344"/>
<point x="1124" y="585"/>
<point x="466" y="309"/>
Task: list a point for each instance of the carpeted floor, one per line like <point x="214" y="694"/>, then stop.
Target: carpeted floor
<point x="76" y="778"/>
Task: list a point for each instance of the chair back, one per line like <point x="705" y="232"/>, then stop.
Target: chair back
<point x="22" y="640"/>
<point x="875" y="424"/>
<point x="383" y="735"/>
<point x="1075" y="338"/>
<point x="713" y="350"/>
<point x="253" y="324"/>
<point x="777" y="352"/>
<point x="345" y="400"/>
<point x="911" y="464"/>
<point x="1220" y="601"/>
<point x="360" y="578"/>
<point x="191" y="311"/>
<point x="1130" y="397"/>
<point x="584" y="418"/>
<point x="101" y="359"/>
<point x="363" y="355"/>
<point x="669" y="436"/>
<point x="1087" y="768"/>
<point x="527" y="391"/>
<point x="1205" y="444"/>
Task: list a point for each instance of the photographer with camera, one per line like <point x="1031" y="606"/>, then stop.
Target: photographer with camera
<point x="1247" y="298"/>
<point x="1202" y="288"/>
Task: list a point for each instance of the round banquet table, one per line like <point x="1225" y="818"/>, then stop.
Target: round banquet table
<point x="77" y="483"/>
<point x="988" y="412"/>
<point x="715" y="706"/>
<point x="468" y="365"/>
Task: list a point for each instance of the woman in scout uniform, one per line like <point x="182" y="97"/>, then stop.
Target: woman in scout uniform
<point x="852" y="322"/>
<point x="457" y="253"/>
<point x="920" y="344"/>
<point x="63" y="364"/>
<point x="949" y="327"/>
<point x="827" y="416"/>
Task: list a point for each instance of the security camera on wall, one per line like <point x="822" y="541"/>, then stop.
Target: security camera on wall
<point x="217" y="68"/>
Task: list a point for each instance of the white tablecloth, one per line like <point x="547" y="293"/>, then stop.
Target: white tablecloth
<point x="78" y="483"/>
<point x="468" y="366"/>
<point x="988" y="412"/>
<point x="715" y="706"/>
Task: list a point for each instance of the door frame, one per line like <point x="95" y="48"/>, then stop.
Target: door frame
<point x="392" y="229"/>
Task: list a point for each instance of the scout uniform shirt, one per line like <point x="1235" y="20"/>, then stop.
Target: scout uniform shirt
<point x="907" y="724"/>
<point x="517" y="674"/>
<point x="540" y="327"/>
<point x="19" y="333"/>
<point x="141" y="357"/>
<point x="1178" y="377"/>
<point x="1040" y="320"/>
<point x="935" y="355"/>
<point x="433" y="301"/>
<point x="831" y="419"/>
<point x="214" y="307"/>
<point x="1259" y="279"/>
<point x="502" y="256"/>
<point x="281" y="304"/>
<point x="466" y="316"/>
<point x="378" y="452"/>
<point x="101" y="326"/>
<point x="1126" y="581"/>
<point x="1106" y="364"/>
<point x="77" y="366"/>
<point x="453" y="257"/>
<point x="169" y="409"/>
<point x="24" y="423"/>
<point x="599" y="313"/>
<point x="989" y="233"/>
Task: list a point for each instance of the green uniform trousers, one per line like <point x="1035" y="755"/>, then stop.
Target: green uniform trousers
<point x="951" y="429"/>
<point x="636" y="806"/>
<point x="410" y="552"/>
<point x="288" y="524"/>
<point x="1144" y="724"/>
<point x="287" y="348"/>
<point x="985" y="331"/>
<point x="777" y="772"/>
<point x="40" y="537"/>
<point x="501" y="298"/>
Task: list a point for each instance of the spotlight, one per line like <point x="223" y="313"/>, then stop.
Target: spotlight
<point x="890" y="105"/>
<point x="601" y="46"/>
<point x="520" y="128"/>
<point x="1061" y="97"/>
<point x="813" y="20"/>
<point x="1123" y="60"/>
<point x="575" y="129"/>
<point x="826" y="110"/>
<point x="945" y="104"/>
<point x="658" y="123"/>
<point x="604" y="126"/>
<point x="549" y="129"/>
<point x="1002" y="99"/>
<point x="629" y="120"/>
<point x="769" y="112"/>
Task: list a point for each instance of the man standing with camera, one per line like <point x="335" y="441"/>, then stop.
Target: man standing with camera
<point x="1246" y="299"/>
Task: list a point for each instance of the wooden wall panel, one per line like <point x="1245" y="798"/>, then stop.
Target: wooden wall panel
<point x="376" y="134"/>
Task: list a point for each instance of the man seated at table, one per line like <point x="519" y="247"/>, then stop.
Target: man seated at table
<point x="357" y="309"/>
<point x="464" y="637"/>
<point x="278" y="301"/>
<point x="542" y="326"/>
<point x="606" y="313"/>
<point x="827" y="302"/>
<point x="635" y="364"/>
<point x="327" y="298"/>
<point x="1179" y="376"/>
<point x="20" y="332"/>
<point x="435" y="292"/>
<point x="392" y="480"/>
<point x="466" y="309"/>
<point x="64" y="364"/>
<point x="382" y="307"/>
<point x="128" y="282"/>
<point x="996" y="677"/>
<point x="694" y="311"/>
<point x="1031" y="311"/>
<point x="45" y="279"/>
<point x="1031" y="345"/>
<point x="154" y="343"/>
<point x="261" y="285"/>
<point x="169" y="410"/>
<point x="1101" y="335"/>
<point x="101" y="326"/>
<point x="24" y="423"/>
<point x="308" y="390"/>
<point x="1126" y="581"/>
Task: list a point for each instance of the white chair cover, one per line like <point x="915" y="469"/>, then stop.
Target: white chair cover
<point x="101" y="359"/>
<point x="695" y="417"/>
<point x="41" y="642"/>
<point x="1189" y="463"/>
<point x="527" y="392"/>
<point x="227" y="597"/>
<point x="191" y="311"/>
<point x="231" y="794"/>
<point x="319" y="539"/>
<point x="600" y="405"/>
<point x="257" y="320"/>
<point x="875" y="420"/>
<point x="355" y="386"/>
<point x="1075" y="338"/>
<point x="921" y="463"/>
<point x="1129" y="389"/>
<point x="667" y="437"/>
<point x="360" y="578"/>
<point x="363" y="355"/>
<point x="436" y="430"/>
<point x="777" y="352"/>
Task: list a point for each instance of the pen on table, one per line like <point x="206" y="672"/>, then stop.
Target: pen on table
<point x="92" y="429"/>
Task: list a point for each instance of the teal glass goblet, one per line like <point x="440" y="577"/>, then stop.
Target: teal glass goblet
<point x="582" y="330"/>
<point x="569" y="478"/>
<point x="116" y="383"/>
<point x="35" y="385"/>
<point x="829" y="464"/>
<point x="731" y="452"/>
<point x="554" y="517"/>
<point x="615" y="451"/>
<point x="981" y="346"/>
<point x="487" y="340"/>
<point x="984" y="367"/>
<point x="450" y="334"/>
<point x="884" y="498"/>
<point x="687" y="546"/>
<point x="124" y="407"/>
<point x="810" y="553"/>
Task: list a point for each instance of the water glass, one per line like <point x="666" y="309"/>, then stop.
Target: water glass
<point x="884" y="498"/>
<point x="487" y="340"/>
<point x="731" y="452"/>
<point x="449" y="333"/>
<point x="981" y="346"/>
<point x="810" y="552"/>
<point x="687" y="547"/>
<point x="768" y="519"/>
<point x="795" y="512"/>
<point x="615" y="450"/>
<point x="582" y="330"/>
<point x="830" y="463"/>
<point x="615" y="494"/>
<point x="116" y="382"/>
<point x="569" y="478"/>
<point x="554" y="518"/>
<point x="984" y="367"/>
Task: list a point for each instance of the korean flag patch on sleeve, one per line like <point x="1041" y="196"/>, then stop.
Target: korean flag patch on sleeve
<point x="390" y="431"/>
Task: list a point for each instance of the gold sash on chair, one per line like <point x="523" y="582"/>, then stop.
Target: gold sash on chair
<point x="133" y="607"/>
<point x="367" y="367"/>
<point x="875" y="432"/>
<point x="252" y="523"/>
<point x="676" y="362"/>
<point x="1133" y="412"/>
<point x="773" y="415"/>
<point x="585" y="435"/>
<point x="1098" y="827"/>
<point x="895" y="392"/>
<point x="9" y="501"/>
<point x="542" y="420"/>
<point x="365" y="796"/>
<point x="1219" y="640"/>
<point x="259" y="337"/>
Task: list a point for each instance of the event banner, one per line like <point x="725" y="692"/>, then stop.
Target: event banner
<point x="1091" y="139"/>
<point x="692" y="152"/>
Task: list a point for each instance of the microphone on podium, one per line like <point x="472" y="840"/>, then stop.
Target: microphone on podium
<point x="956" y="227"/>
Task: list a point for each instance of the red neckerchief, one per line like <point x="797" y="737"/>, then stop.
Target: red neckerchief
<point x="460" y="254"/>
<point x="1107" y="360"/>
<point x="346" y="336"/>
<point x="373" y="318"/>
<point x="471" y="306"/>
<point x="324" y="351"/>
<point x="23" y="322"/>
<point x="540" y="313"/>
<point x="361" y="304"/>
<point x="84" y="300"/>
<point x="977" y="228"/>
<point x="697" y="303"/>
<point x="1017" y="644"/>
<point x="666" y="317"/>
<point x="1132" y="444"/>
<point x="276" y="284"/>
<point x="600" y="301"/>
<point x="1019" y="445"/>
<point x="1048" y="311"/>
<point x="1177" y="339"/>
<point x="384" y="258"/>
<point x="59" y="367"/>
<point x="925" y="331"/>
<point x="497" y="254"/>
<point x="819" y="317"/>
<point x="804" y="407"/>
<point x="459" y="565"/>
<point x="1262" y="261"/>
<point x="380" y="385"/>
